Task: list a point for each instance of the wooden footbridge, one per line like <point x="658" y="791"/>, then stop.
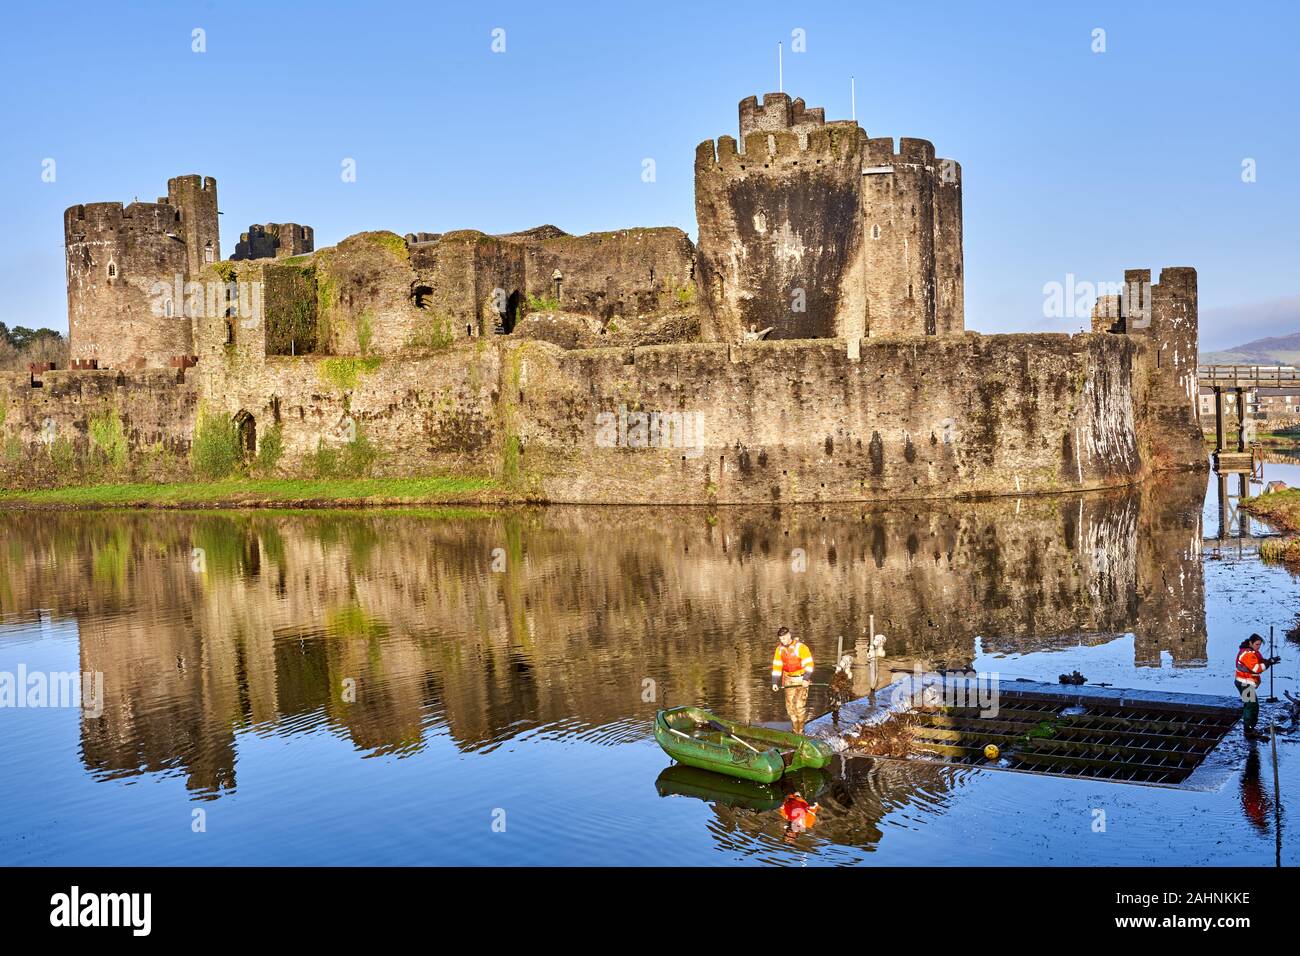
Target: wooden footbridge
<point x="1240" y="457"/>
<point x="1240" y="380"/>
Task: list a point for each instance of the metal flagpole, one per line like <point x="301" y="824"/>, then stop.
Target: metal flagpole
<point x="780" y="70"/>
<point x="1272" y="698"/>
<point x="853" y="99"/>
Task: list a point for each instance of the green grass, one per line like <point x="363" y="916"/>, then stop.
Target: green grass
<point x="1282" y="510"/>
<point x="245" y="491"/>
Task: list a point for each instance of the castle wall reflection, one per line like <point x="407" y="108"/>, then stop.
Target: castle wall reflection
<point x="489" y="626"/>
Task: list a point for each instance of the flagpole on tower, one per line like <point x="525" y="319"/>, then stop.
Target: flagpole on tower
<point x="853" y="99"/>
<point x="780" y="70"/>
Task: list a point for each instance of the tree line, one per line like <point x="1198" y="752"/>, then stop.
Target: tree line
<point x="20" y="346"/>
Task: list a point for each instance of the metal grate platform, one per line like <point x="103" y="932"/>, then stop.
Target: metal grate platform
<point x="1140" y="741"/>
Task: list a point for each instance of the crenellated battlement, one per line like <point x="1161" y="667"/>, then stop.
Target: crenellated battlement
<point x="97" y="220"/>
<point x="910" y="152"/>
<point x="274" y="240"/>
<point x="766" y="149"/>
<point x="192" y="181"/>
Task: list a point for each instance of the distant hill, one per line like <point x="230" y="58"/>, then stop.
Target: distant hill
<point x="1278" y="350"/>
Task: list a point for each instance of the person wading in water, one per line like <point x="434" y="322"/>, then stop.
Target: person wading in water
<point x="1251" y="665"/>
<point x="792" y="666"/>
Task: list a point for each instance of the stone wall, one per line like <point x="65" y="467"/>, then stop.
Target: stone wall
<point x="1164" y="320"/>
<point x="614" y="275"/>
<point x="156" y="408"/>
<point x="704" y="423"/>
<point x="802" y="421"/>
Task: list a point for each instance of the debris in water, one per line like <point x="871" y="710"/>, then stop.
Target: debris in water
<point x="1043" y="729"/>
<point x="889" y="738"/>
<point x="1074" y="678"/>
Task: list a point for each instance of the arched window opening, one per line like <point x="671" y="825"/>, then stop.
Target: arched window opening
<point x="246" y="425"/>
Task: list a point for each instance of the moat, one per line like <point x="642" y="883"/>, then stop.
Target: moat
<point x="464" y="687"/>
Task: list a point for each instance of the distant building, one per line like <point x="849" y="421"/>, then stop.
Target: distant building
<point x="1262" y="404"/>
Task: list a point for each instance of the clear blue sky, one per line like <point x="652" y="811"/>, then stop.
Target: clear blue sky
<point x="1073" y="161"/>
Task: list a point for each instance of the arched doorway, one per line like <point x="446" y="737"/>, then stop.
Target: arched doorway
<point x="246" y="426"/>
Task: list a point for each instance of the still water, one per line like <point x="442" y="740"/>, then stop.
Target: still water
<point x="478" y="688"/>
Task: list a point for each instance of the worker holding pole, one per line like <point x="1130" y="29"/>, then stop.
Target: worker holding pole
<point x="792" y="667"/>
<point x="1251" y="665"/>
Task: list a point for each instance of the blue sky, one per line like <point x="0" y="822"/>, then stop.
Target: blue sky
<point x="1074" y="162"/>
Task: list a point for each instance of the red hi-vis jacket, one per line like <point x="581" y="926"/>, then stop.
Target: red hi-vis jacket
<point x="791" y="661"/>
<point x="1249" y="666"/>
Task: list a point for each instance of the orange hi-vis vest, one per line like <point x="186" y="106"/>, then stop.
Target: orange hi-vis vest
<point x="792" y="660"/>
<point x="1249" y="666"/>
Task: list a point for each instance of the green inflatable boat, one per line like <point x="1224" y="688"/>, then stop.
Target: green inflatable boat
<point x="697" y="738"/>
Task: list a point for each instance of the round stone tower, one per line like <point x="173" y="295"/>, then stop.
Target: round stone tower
<point x="127" y="269"/>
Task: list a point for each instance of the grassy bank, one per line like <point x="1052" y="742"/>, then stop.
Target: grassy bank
<point x="1282" y="510"/>
<point x="266" y="492"/>
<point x="1283" y="438"/>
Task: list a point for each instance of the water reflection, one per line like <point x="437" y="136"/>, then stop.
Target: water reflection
<point x="571" y="623"/>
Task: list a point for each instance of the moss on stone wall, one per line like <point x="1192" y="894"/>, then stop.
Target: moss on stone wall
<point x="226" y="271"/>
<point x="345" y="372"/>
<point x="291" y="300"/>
<point x="433" y="333"/>
<point x="108" y="435"/>
<point x="327" y="298"/>
<point x="390" y="241"/>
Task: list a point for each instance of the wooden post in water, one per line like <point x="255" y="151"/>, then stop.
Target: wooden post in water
<point x="1220" y="444"/>
<point x="1272" y="697"/>
<point x="1241" y="419"/>
<point x="1277" y="791"/>
<point x="871" y="655"/>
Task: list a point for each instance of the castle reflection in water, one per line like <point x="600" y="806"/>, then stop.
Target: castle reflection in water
<point x="391" y="627"/>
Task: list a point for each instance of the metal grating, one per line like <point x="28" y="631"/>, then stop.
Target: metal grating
<point x="1095" y="739"/>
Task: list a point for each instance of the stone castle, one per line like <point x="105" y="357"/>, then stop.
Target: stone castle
<point x="812" y="346"/>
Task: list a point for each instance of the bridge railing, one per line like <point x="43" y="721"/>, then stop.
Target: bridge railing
<point x="1267" y="376"/>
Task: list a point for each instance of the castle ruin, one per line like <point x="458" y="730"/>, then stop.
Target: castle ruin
<point x="627" y="366"/>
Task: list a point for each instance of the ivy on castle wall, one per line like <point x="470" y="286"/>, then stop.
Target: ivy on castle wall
<point x="290" y="304"/>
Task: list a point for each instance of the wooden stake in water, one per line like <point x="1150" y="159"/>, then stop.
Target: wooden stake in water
<point x="1277" y="792"/>
<point x="1272" y="699"/>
